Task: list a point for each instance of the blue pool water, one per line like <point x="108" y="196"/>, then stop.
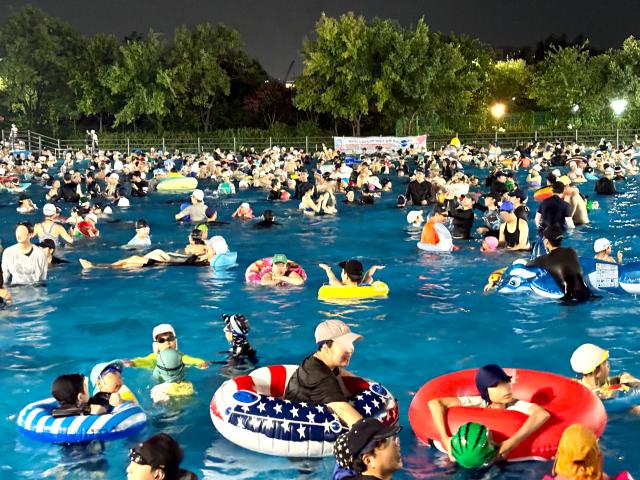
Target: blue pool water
<point x="435" y="320"/>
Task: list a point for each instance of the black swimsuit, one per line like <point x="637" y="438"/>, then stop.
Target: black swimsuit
<point x="511" y="239"/>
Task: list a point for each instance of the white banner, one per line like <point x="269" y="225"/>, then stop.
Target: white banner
<point x="356" y="144"/>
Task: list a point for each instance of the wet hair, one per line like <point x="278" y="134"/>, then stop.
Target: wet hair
<point x="558" y="187"/>
<point x="142" y="223"/>
<point x="66" y="388"/>
<point x="554" y="235"/>
<point x="268" y="215"/>
<point x="328" y="343"/>
<point x="28" y="225"/>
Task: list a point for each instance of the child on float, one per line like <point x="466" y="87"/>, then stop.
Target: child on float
<point x="494" y="386"/>
<point x="109" y="388"/>
<point x="351" y="275"/>
<point x="164" y="337"/>
<point x="592" y="363"/>
<point x="72" y="393"/>
<point x="169" y="372"/>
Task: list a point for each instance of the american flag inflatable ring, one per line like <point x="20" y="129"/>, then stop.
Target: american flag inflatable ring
<point x="249" y="411"/>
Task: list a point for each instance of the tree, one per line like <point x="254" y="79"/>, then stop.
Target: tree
<point x="623" y="79"/>
<point x="339" y="76"/>
<point x="93" y="97"/>
<point x="38" y="52"/>
<point x="273" y="101"/>
<point x="141" y="78"/>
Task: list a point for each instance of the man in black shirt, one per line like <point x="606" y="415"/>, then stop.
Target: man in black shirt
<point x="139" y="187"/>
<point x="499" y="185"/>
<point x="563" y="265"/>
<point x="518" y="197"/>
<point x="268" y="220"/>
<point x="316" y="380"/>
<point x="419" y="190"/>
<point x="69" y="189"/>
<point x="302" y="184"/>
<point x="605" y="185"/>
<point x="554" y="211"/>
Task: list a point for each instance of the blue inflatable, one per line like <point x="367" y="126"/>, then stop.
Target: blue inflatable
<point x="182" y="207"/>
<point x="599" y="277"/>
<point x="623" y="400"/>
<point x="35" y="421"/>
<point x="224" y="261"/>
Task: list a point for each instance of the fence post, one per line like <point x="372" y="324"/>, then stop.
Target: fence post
<point x="198" y="144"/>
<point x="270" y="144"/>
<point x="59" y="147"/>
<point x="128" y="147"/>
<point x="535" y="136"/>
<point x="306" y="144"/>
<point x="234" y="144"/>
<point x="576" y="135"/>
<point x="164" y="147"/>
<point x="617" y="137"/>
<point x="3" y="135"/>
<point x="40" y="143"/>
<point x="29" y="139"/>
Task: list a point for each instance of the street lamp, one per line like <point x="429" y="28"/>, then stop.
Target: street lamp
<point x="497" y="112"/>
<point x="618" y="106"/>
<point x="575" y="108"/>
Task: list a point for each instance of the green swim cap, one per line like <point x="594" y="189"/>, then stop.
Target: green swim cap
<point x="471" y="446"/>
<point x="169" y="366"/>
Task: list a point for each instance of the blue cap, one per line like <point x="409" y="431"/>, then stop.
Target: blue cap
<point x="507" y="206"/>
<point x="489" y="376"/>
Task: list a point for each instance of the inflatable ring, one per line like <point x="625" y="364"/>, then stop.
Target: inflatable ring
<point x="35" y="421"/>
<point x="224" y="261"/>
<point x="177" y="184"/>
<point x="444" y="245"/>
<point x="543" y="193"/>
<point x="258" y="269"/>
<point x="620" y="398"/>
<point x="566" y="400"/>
<point x="249" y="411"/>
<point x="376" y="289"/>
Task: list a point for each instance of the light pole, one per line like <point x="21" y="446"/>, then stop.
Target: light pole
<point x="618" y="106"/>
<point x="497" y="112"/>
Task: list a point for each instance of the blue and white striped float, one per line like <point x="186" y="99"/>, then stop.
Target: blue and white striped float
<point x="249" y="411"/>
<point x="35" y="421"/>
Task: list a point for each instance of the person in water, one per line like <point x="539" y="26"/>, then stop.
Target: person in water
<point x="48" y="246"/>
<point x="605" y="185"/>
<point x="49" y="229"/>
<point x="142" y="237"/>
<point x="316" y="380"/>
<point x="268" y="220"/>
<point x="282" y="272"/>
<point x="72" y="393"/>
<point x="196" y="211"/>
<point x="110" y="391"/>
<point x="514" y="231"/>
<point x="170" y="375"/>
<point x="463" y="218"/>
<point x="157" y="458"/>
<point x="495" y="389"/>
<point x="429" y="234"/>
<point x="351" y="275"/>
<point x="236" y="329"/>
<point x="164" y="336"/>
<point x="602" y="248"/>
<point x="592" y="364"/>
<point x="579" y="457"/>
<point x="564" y="266"/>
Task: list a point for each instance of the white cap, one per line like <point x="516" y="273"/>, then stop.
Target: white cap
<point x="601" y="244"/>
<point x="587" y="358"/>
<point x="115" y="175"/>
<point x="159" y="330"/>
<point x="245" y="205"/>
<point x="91" y="216"/>
<point x="608" y="171"/>
<point x="413" y="216"/>
<point x="556" y="172"/>
<point x="537" y="168"/>
<point x="108" y="210"/>
<point x="49" y="209"/>
<point x="337" y="331"/>
<point x="124" y="202"/>
<point x="219" y="244"/>
<point x="375" y="181"/>
<point x="198" y="194"/>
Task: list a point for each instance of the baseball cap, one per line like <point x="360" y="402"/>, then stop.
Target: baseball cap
<point x="601" y="244"/>
<point x="489" y="376"/>
<point x="362" y="439"/>
<point x="352" y="267"/>
<point x="587" y="357"/>
<point x="537" y="167"/>
<point x="279" y="258"/>
<point x="507" y="206"/>
<point x="335" y="330"/>
<point x="49" y="209"/>
<point x="198" y="194"/>
<point x="520" y="194"/>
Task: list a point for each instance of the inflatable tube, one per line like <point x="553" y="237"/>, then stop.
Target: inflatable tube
<point x="186" y="218"/>
<point x="444" y="245"/>
<point x="84" y="229"/>
<point x="249" y="411"/>
<point x="177" y="184"/>
<point x="224" y="261"/>
<point x="543" y="193"/>
<point x="35" y="421"/>
<point x="258" y="269"/>
<point x="376" y="289"/>
<point x="566" y="400"/>
<point x="621" y="399"/>
<point x="19" y="188"/>
<point x="590" y="176"/>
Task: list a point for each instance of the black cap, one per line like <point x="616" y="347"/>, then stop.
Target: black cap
<point x="499" y="173"/>
<point x="521" y="194"/>
<point x="365" y="433"/>
<point x="351" y="267"/>
<point x="553" y="233"/>
<point x="161" y="451"/>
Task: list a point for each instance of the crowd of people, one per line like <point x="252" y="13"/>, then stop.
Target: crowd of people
<point x="88" y="186"/>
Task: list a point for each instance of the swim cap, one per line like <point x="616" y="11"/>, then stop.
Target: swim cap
<point x="236" y="324"/>
<point x="169" y="366"/>
<point x="198" y="194"/>
<point x="219" y="244"/>
<point x="159" y="330"/>
<point x="413" y="216"/>
<point x="587" y="358"/>
<point x="507" y="206"/>
<point x="49" y="209"/>
<point x="491" y="242"/>
<point x="489" y="376"/>
<point x="141" y="224"/>
<point x="124" y="202"/>
<point x="92" y="216"/>
<point x="471" y="446"/>
<point x="601" y="244"/>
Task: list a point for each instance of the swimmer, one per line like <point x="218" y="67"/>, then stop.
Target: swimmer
<point x="415" y="218"/>
<point x="49" y="229"/>
<point x="164" y="336"/>
<point x="48" y="246"/>
<point x="603" y="250"/>
<point x="170" y="375"/>
<point x="307" y="205"/>
<point x="592" y="363"/>
<point x="351" y="275"/>
<point x="282" y="272"/>
<point x="429" y="234"/>
<point x="514" y="232"/>
<point x="489" y="244"/>
<point x="72" y="394"/>
<point x="495" y="388"/>
<point x="26" y="205"/>
<point x="243" y="212"/>
<point x="563" y="265"/>
<point x="196" y="211"/>
<point x="87" y="227"/>
<point x="236" y="328"/>
<point x="142" y="237"/>
<point x="268" y="220"/>
<point x="109" y="389"/>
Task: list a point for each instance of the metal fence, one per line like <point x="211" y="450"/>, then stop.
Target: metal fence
<point x="507" y="139"/>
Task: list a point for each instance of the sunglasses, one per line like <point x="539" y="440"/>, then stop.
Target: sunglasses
<point x="168" y="338"/>
<point x="136" y="457"/>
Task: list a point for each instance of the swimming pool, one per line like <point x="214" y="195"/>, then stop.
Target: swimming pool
<point x="435" y="320"/>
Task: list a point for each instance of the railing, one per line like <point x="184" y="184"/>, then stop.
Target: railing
<point x="37" y="141"/>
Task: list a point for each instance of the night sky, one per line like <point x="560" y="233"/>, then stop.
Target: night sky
<point x="273" y="30"/>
